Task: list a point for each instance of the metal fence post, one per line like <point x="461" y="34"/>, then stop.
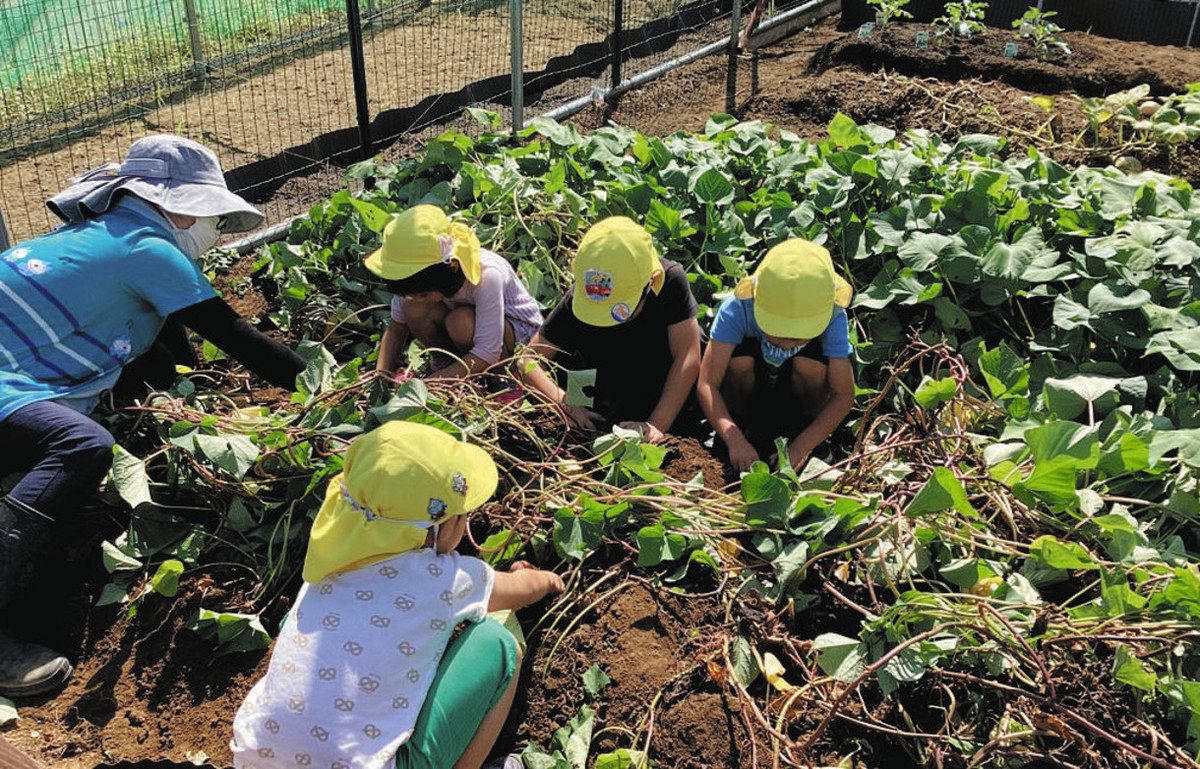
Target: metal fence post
<point x="735" y="23"/>
<point x="5" y="238"/>
<point x="358" y="68"/>
<point x="517" y="33"/>
<point x="195" y="39"/>
<point x="1192" y="30"/>
<point x="618" y="36"/>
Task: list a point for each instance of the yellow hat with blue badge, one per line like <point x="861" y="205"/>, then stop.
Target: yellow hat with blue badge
<point x="397" y="482"/>
<point x="795" y="289"/>
<point x="615" y="263"/>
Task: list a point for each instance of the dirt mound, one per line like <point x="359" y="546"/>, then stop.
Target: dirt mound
<point x="686" y="458"/>
<point x="799" y="85"/>
<point x="148" y="689"/>
<point x="1096" y="66"/>
<point x="653" y="646"/>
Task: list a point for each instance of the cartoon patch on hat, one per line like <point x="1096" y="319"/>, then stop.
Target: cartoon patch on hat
<point x="598" y="284"/>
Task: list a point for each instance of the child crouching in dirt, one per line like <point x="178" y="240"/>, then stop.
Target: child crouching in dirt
<point x="628" y="327"/>
<point x="450" y="294"/>
<point x="366" y="672"/>
<point x="778" y="361"/>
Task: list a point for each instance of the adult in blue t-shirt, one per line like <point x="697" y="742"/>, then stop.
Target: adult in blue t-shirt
<point x="104" y="298"/>
<point x="778" y="359"/>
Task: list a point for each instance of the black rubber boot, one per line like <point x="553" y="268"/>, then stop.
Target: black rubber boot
<point x="26" y="670"/>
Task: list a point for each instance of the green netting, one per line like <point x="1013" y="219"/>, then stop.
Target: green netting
<point x="35" y="33"/>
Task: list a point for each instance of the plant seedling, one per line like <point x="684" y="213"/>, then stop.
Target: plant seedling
<point x="888" y="10"/>
<point x="1044" y="35"/>
<point x="962" y="19"/>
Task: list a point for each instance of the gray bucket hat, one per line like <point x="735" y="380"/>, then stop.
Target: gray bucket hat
<point x="176" y="174"/>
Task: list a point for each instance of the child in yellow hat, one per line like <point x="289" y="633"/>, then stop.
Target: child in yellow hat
<point x="778" y="360"/>
<point x="630" y="324"/>
<point x="364" y="673"/>
<point x="449" y="293"/>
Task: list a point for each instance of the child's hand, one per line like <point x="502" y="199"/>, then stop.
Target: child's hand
<point x="649" y="433"/>
<point x="520" y="565"/>
<point x="741" y="453"/>
<point x="583" y="418"/>
<point x="554" y="583"/>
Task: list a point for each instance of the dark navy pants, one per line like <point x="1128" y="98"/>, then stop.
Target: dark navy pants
<point x="62" y="453"/>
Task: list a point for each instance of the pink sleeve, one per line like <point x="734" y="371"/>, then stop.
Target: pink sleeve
<point x="489" y="317"/>
<point x="397" y="308"/>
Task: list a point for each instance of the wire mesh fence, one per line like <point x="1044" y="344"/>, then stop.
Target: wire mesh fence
<point x="268" y="85"/>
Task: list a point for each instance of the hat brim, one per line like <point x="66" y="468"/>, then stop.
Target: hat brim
<point x="185" y="199"/>
<point x="592" y="312"/>
<point x="374" y="262"/>
<point x="480" y="471"/>
<point x="809" y="327"/>
<point x="201" y="200"/>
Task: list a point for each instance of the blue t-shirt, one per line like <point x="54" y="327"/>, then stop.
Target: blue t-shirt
<point x="79" y="303"/>
<point x="735" y="322"/>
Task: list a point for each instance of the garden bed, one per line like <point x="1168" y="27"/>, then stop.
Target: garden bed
<point x="1012" y="519"/>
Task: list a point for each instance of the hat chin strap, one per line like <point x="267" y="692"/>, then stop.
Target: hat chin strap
<point x="370" y="515"/>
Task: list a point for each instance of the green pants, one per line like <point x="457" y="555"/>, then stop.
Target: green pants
<point x="474" y="674"/>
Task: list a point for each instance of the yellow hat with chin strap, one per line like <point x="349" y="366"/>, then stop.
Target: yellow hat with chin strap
<point x="615" y="263"/>
<point x="397" y="482"/>
<point x="795" y="290"/>
<point x="421" y="237"/>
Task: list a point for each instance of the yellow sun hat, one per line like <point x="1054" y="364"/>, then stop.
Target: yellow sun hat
<point x="397" y="482"/>
<point x="421" y="237"/>
<point x="795" y="290"/>
<point x="615" y="262"/>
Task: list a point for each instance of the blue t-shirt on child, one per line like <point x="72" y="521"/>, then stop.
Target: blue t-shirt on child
<point x="735" y="322"/>
<point x="79" y="303"/>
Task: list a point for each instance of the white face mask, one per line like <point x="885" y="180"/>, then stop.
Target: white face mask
<point x="198" y="238"/>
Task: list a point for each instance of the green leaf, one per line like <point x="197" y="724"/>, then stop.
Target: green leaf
<point x="1058" y="554"/>
<point x="575" y="739"/>
<point x="713" y="187"/>
<point x="741" y="657"/>
<point x="1128" y="669"/>
<point x="932" y="392"/>
<point x="232" y="452"/>
<point x="842" y="658"/>
<point x="166" y="580"/>
<point x="768" y="499"/>
<point x="130" y="478"/>
<point x="117" y="560"/>
<point x="112" y="593"/>
<point x="943" y="491"/>
<point x="595" y="680"/>
<point x="375" y="217"/>
<point x="656" y="544"/>
<point x="1068" y="398"/>
<point x="623" y="758"/>
<point x="1004" y="371"/>
<point x="845" y="132"/>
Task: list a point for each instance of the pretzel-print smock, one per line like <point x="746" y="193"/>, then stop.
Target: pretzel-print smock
<point x="354" y="662"/>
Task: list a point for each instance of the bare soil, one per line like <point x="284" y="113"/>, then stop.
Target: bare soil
<point x="802" y="82"/>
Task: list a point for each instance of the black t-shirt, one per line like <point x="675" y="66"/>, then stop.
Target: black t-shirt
<point x="631" y="359"/>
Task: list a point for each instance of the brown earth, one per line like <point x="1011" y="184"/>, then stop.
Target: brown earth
<point x="146" y="688"/>
<point x="654" y="647"/>
<point x="800" y="83"/>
